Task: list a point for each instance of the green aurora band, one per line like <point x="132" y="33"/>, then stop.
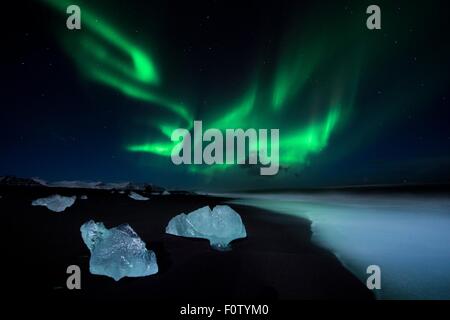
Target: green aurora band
<point x="100" y="49"/>
<point x="97" y="51"/>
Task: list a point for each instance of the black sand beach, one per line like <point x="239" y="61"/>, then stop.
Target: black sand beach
<point x="277" y="261"/>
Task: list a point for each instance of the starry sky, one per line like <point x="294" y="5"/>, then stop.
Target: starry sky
<point x="354" y="106"/>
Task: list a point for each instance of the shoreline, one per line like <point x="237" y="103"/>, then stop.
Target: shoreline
<point x="404" y="235"/>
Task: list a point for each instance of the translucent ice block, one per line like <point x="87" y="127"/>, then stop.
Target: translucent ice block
<point x="220" y="226"/>
<point x="117" y="252"/>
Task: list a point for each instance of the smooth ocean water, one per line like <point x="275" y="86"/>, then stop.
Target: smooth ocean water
<point x="407" y="236"/>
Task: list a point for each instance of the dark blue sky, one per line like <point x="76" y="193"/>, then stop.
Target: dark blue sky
<point x="59" y="124"/>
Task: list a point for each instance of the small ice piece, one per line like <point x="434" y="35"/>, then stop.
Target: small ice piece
<point x="83" y="197"/>
<point x="137" y="196"/>
<point x="220" y="226"/>
<point x="166" y="193"/>
<point x="117" y="252"/>
<point x="55" y="203"/>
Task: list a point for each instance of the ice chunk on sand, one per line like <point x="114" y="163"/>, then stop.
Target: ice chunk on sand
<point x="117" y="252"/>
<point x="166" y="193"/>
<point x="84" y="197"/>
<point x="137" y="196"/>
<point x="55" y="203"/>
<point x="220" y="226"/>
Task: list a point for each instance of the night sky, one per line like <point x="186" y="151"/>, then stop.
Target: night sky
<point x="354" y="106"/>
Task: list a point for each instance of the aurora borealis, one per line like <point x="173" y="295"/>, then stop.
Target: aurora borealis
<point x="350" y="103"/>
